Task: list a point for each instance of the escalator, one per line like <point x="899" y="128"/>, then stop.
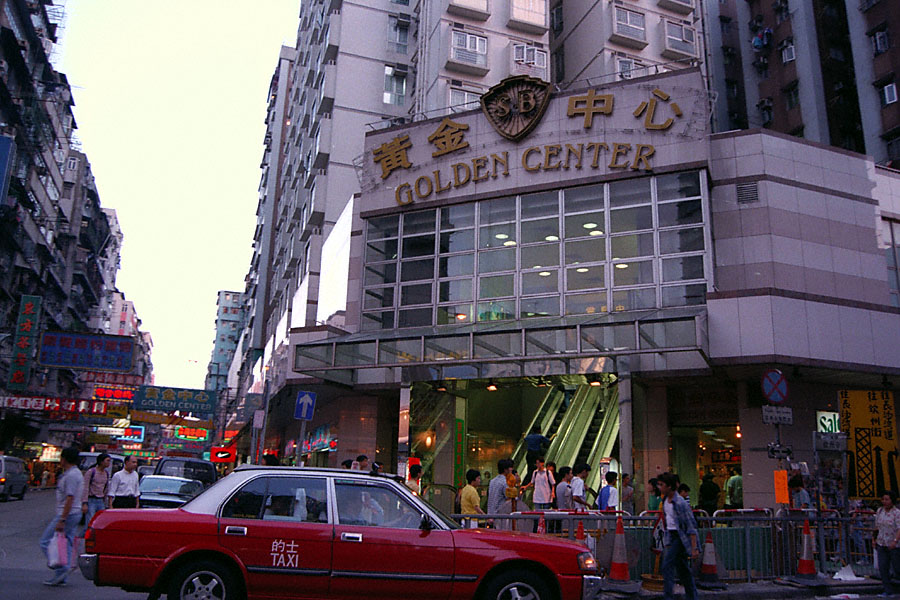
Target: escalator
<point x="547" y="419"/>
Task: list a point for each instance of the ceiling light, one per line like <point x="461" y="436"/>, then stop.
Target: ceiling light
<point x="461" y="317"/>
<point x="719" y="439"/>
<point x="552" y="238"/>
<point x="596" y="232"/>
<point x="709" y="432"/>
<point x="441" y="387"/>
<point x="590" y="225"/>
<point x="545" y="273"/>
<point x="582" y="270"/>
<point x="491" y="387"/>
<point x="509" y="243"/>
<point x="622" y="266"/>
<point x="502" y="236"/>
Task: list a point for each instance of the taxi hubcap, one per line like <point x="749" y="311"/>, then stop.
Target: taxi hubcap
<point x="518" y="591"/>
<point x="204" y="585"/>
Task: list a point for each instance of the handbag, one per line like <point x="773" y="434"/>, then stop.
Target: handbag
<point x="58" y="551"/>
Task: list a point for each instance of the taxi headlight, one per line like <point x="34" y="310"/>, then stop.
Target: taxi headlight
<point x="587" y="563"/>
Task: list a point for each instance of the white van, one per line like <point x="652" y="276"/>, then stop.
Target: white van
<point x="13" y="478"/>
<point x="89" y="459"/>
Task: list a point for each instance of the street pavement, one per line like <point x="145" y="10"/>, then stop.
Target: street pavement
<point x="22" y="564"/>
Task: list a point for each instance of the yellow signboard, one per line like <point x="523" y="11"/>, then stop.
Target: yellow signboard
<point x="868" y="418"/>
<point x="149" y="417"/>
<point x="117" y="410"/>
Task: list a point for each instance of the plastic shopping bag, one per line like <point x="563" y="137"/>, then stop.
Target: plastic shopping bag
<point x="57" y="551"/>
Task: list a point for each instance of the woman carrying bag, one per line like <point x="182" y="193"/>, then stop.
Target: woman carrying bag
<point x="887" y="522"/>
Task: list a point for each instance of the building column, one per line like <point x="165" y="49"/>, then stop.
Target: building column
<point x="626" y="460"/>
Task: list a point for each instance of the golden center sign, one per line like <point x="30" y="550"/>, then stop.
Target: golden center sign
<point x="592" y="120"/>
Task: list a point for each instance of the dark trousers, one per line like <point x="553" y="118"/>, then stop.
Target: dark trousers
<point x="676" y="558"/>
<point x="888" y="560"/>
<point x="124" y="502"/>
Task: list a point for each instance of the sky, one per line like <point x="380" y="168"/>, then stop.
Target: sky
<point x="170" y="102"/>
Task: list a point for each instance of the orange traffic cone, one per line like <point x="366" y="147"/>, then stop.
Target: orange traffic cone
<point x="579" y="533"/>
<point x="806" y="566"/>
<point x="542" y="524"/>
<point x="618" y="569"/>
<point x="709" y="570"/>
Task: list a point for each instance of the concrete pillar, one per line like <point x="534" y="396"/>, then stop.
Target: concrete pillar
<point x="626" y="461"/>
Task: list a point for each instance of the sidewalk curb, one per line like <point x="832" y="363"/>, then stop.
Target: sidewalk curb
<point x="770" y="590"/>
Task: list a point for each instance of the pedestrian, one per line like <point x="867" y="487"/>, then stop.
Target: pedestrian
<point x="627" y="494"/>
<point x="124" y="489"/>
<point x="543" y="483"/>
<point x="362" y="462"/>
<point x="734" y="489"/>
<point x="347" y="463"/>
<point x="653" y="498"/>
<point x="609" y="495"/>
<point x="96" y="486"/>
<point x="680" y="539"/>
<point x="412" y="483"/>
<point x="799" y="496"/>
<point x="564" y="489"/>
<point x="579" y="495"/>
<point x="45" y="477"/>
<point x="887" y="522"/>
<point x="497" y="490"/>
<point x="270" y="460"/>
<point x="534" y="448"/>
<point x="377" y="468"/>
<point x="551" y="466"/>
<point x="469" y="500"/>
<point x="684" y="490"/>
<point x="65" y="519"/>
<point x="709" y="494"/>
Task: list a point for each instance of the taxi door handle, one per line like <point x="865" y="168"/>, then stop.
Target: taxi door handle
<point x="234" y="530"/>
<point x="351" y="537"/>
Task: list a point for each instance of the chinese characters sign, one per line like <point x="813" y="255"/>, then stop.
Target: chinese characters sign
<point x="86" y="351"/>
<point x="59" y="405"/>
<point x="112" y="378"/>
<point x="24" y="342"/>
<point x="171" y="399"/>
<point x="194" y="434"/>
<point x="868" y="419"/>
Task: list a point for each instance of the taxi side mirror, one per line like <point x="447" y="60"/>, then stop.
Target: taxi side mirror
<point x="425" y="524"/>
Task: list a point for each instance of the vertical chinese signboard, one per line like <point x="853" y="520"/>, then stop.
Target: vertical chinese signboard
<point x="868" y="419"/>
<point x="24" y="343"/>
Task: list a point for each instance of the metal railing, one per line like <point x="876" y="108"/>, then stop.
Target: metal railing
<point x="751" y="544"/>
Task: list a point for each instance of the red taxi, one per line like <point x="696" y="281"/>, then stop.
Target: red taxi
<point x="283" y="532"/>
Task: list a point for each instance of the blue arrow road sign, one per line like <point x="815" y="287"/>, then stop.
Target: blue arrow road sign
<point x="305" y="407"/>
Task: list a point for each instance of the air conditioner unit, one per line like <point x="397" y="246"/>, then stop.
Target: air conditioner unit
<point x="401" y="69"/>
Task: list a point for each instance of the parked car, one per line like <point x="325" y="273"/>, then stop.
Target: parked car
<point x="13" y="478"/>
<point x="89" y="459"/>
<point x="190" y="468"/>
<point x="162" y="491"/>
<point x="346" y="534"/>
<point x="145" y="470"/>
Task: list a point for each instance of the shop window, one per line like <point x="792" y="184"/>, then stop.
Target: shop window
<point x="496" y="286"/>
<point x="418" y="317"/>
<point x="414" y="270"/>
<point x="635" y="299"/>
<point x="629" y="192"/>
<point x="631" y="219"/>
<point x="631" y="246"/>
<point x="535" y="257"/>
<point x="587" y="224"/>
<point x="687" y="212"/>
<point x="378" y="297"/>
<point x="422" y="245"/>
<point x="632" y="273"/>
<point x="586" y="304"/>
<point x="458" y="217"/>
<point x="458" y="313"/>
<point x="455" y="290"/>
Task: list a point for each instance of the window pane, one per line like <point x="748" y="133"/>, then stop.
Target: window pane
<point x="416" y="317"/>
<point x="497" y="236"/>
<point x="497" y="260"/>
<point x="680" y="213"/>
<point x="497" y="310"/>
<point x="460" y="313"/>
<point x="684" y="295"/>
<point x="630" y="246"/>
<point x="535" y="257"/>
<point x="667" y="334"/>
<point x="248" y="502"/>
<point x="681" y="269"/>
<point x="382" y="227"/>
<point x="296" y="499"/>
<point x="497" y="344"/>
<point x="634" y="299"/>
<point x="381" y="250"/>
<point x="633" y="273"/>
<point x="378" y="297"/>
<point x="378" y="320"/>
<point x="677" y="185"/>
<point x="587" y="224"/>
<point x="497" y="286"/>
<point x="420" y="245"/>
<point x="455" y="217"/>
<point x="417" y="269"/>
<point x="680" y="240"/>
<point x="457" y="240"/>
<point x="582" y="251"/>
<point x="378" y="274"/>
<point x="457" y="290"/>
<point x="543" y="230"/>
<point x="539" y="307"/>
<point x="589" y="197"/>
<point x="608" y="337"/>
<point x="550" y="341"/>
<point x="453" y="266"/>
<point x="398" y="351"/>
<point x="418" y="222"/>
<point x="374" y="506"/>
<point x="585" y="278"/>
<point x="415" y="294"/>
<point x="631" y="219"/>
<point x="541" y="282"/>
<point x="498" y="211"/>
<point x="447" y="348"/>
<point x="630" y="191"/>
<point x="542" y="204"/>
<point x="589" y="304"/>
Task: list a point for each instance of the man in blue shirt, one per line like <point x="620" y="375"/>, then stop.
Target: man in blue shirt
<point x="534" y="444"/>
<point x="681" y="539"/>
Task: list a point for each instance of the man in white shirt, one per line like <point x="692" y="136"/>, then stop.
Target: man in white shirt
<point x="579" y="497"/>
<point x="124" y="489"/>
<point x="65" y="520"/>
<point x="609" y="495"/>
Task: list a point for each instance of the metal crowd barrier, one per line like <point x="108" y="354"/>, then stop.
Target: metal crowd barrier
<point x="751" y="544"/>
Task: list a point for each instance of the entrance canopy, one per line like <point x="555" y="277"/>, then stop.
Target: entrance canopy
<point x="533" y="347"/>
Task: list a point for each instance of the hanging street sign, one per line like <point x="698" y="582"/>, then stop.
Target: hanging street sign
<point x="305" y="407"/>
<point x="774" y="386"/>
<point x="778" y="415"/>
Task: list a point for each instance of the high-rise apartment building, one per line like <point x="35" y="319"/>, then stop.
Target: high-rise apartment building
<point x="229" y="321"/>
<point x="609" y="41"/>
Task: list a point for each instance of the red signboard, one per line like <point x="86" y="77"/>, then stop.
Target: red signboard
<point x="63" y="405"/>
<point x="218" y="454"/>
<point x="113" y="393"/>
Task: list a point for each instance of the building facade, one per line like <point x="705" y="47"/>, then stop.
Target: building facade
<point x="229" y="322"/>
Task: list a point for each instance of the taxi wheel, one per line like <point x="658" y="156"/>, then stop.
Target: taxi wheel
<point x="516" y="585"/>
<point x="203" y="580"/>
